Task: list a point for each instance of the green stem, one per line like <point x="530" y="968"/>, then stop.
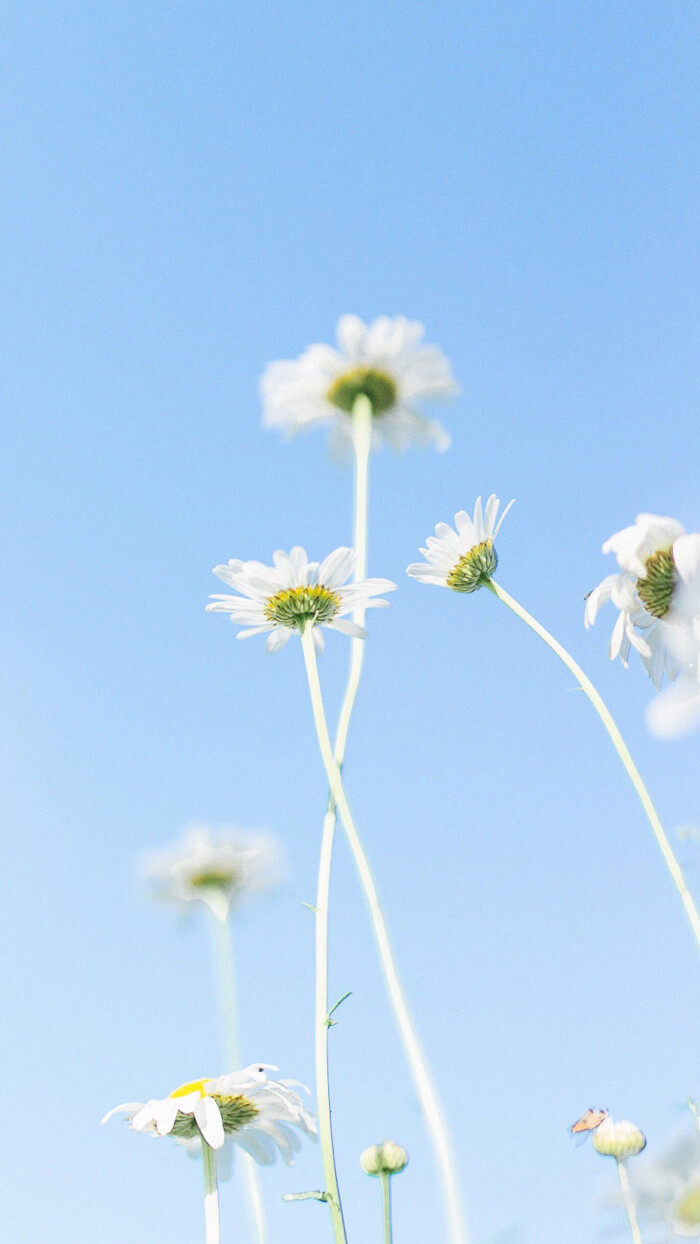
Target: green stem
<point x="629" y="1201"/>
<point x="226" y="977"/>
<point x="386" y="1203"/>
<point x="211" y="1194"/>
<point x="430" y="1104"/>
<point x="362" y="432"/>
<point x="620" y="746"/>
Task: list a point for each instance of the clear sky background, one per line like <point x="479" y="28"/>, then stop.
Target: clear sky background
<point x="190" y="190"/>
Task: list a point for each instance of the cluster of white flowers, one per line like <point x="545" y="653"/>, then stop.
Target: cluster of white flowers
<point x="657" y="593"/>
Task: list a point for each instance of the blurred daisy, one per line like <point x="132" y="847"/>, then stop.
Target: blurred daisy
<point x="385" y="361"/>
<point x="220" y="869"/>
<point x="246" y="1107"/>
<point x="294" y="593"/>
<point x="657" y="593"/>
<point x="464" y="559"/>
<point x="668" y="1189"/>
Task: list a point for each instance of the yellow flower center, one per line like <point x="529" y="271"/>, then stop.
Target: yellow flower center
<point x="687" y="1210"/>
<point x="369" y="382"/>
<point x="295" y="606"/>
<point x="192" y="1086"/>
<point x="212" y="878"/>
<point x="656" y="589"/>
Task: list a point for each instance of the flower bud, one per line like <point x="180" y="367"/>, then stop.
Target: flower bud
<point x="618" y="1140"/>
<point x="385" y="1159"/>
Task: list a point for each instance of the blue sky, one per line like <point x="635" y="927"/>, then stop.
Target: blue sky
<point x="190" y="191"/>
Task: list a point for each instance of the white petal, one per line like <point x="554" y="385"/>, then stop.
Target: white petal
<point x="128" y="1107"/>
<point x="278" y="638"/>
<point x="208" y="1118"/>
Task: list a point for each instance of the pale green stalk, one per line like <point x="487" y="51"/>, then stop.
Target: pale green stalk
<point x="386" y="1205"/>
<point x="430" y="1104"/>
<point x="620" y="746"/>
<point x="226" y="976"/>
<point x="362" y="431"/>
<point x="211" y="1194"/>
<point x="629" y="1201"/>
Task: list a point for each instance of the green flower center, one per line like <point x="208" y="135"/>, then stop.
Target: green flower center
<point x="296" y="606"/>
<point x="211" y="879"/>
<point x="474" y="568"/>
<point x="369" y="382"/>
<point x="656" y="590"/>
<point x="235" y="1113"/>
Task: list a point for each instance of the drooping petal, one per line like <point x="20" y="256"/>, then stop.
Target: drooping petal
<point x="208" y="1119"/>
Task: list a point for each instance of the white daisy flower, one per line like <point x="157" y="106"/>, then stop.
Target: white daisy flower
<point x="385" y="361"/>
<point x="220" y="868"/>
<point x="657" y="593"/>
<point x="294" y="593"/>
<point x="246" y="1107"/>
<point x="463" y="559"/>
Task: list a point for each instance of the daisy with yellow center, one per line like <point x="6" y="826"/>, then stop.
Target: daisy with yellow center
<point x="294" y="594"/>
<point x="246" y="1108"/>
<point x="385" y="362"/>
<point x="463" y="559"/>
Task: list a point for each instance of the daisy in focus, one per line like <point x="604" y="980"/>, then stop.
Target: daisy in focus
<point x="463" y="559"/>
<point x="295" y="593"/>
<point x="657" y="594"/>
<point x="245" y="1107"/>
<point x="220" y="869"/>
<point x="385" y="361"/>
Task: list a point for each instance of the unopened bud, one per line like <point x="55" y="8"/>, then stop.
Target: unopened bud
<point x="385" y="1159"/>
<point x="618" y="1140"/>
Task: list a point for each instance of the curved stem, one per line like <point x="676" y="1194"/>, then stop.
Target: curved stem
<point x="430" y="1104"/>
<point x="362" y="432"/>
<point x="620" y="746"/>
<point x="226" y="977"/>
<point x="386" y="1205"/>
<point x="629" y="1201"/>
<point x="211" y="1194"/>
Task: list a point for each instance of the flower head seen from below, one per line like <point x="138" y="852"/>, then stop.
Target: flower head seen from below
<point x="463" y="559"/>
<point x="245" y="1107"/>
<point x="618" y="1140"/>
<point x="221" y="868"/>
<point x="657" y="594"/>
<point x="295" y="593"/>
<point x="386" y="362"/>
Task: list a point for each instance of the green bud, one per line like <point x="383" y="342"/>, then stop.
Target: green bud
<point x="385" y="1159"/>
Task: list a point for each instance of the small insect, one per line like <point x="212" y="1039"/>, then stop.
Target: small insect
<point x="589" y="1121"/>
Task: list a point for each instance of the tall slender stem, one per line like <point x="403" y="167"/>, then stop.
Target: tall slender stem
<point x="430" y="1104"/>
<point x="620" y="746"/>
<point x="323" y="1094"/>
<point x="386" y="1206"/>
<point x="361" y="436"/>
<point x="211" y="1194"/>
<point x="226" y="977"/>
<point x="629" y="1201"/>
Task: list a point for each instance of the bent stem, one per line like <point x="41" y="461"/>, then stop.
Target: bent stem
<point x="629" y="1201"/>
<point x="620" y="746"/>
<point x="430" y="1104"/>
<point x="211" y="1194"/>
<point x="386" y="1205"/>
<point x="226" y="977"/>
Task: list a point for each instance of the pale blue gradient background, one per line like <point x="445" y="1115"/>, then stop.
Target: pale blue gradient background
<point x="188" y="191"/>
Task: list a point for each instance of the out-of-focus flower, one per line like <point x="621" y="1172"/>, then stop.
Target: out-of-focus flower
<point x="463" y="559"/>
<point x="385" y="1159"/>
<point x="657" y="593"/>
<point x="221" y="868"/>
<point x="385" y="361"/>
<point x="246" y="1107"/>
<point x="295" y="593"/>
<point x="667" y="1189"/>
<point x="618" y="1140"/>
